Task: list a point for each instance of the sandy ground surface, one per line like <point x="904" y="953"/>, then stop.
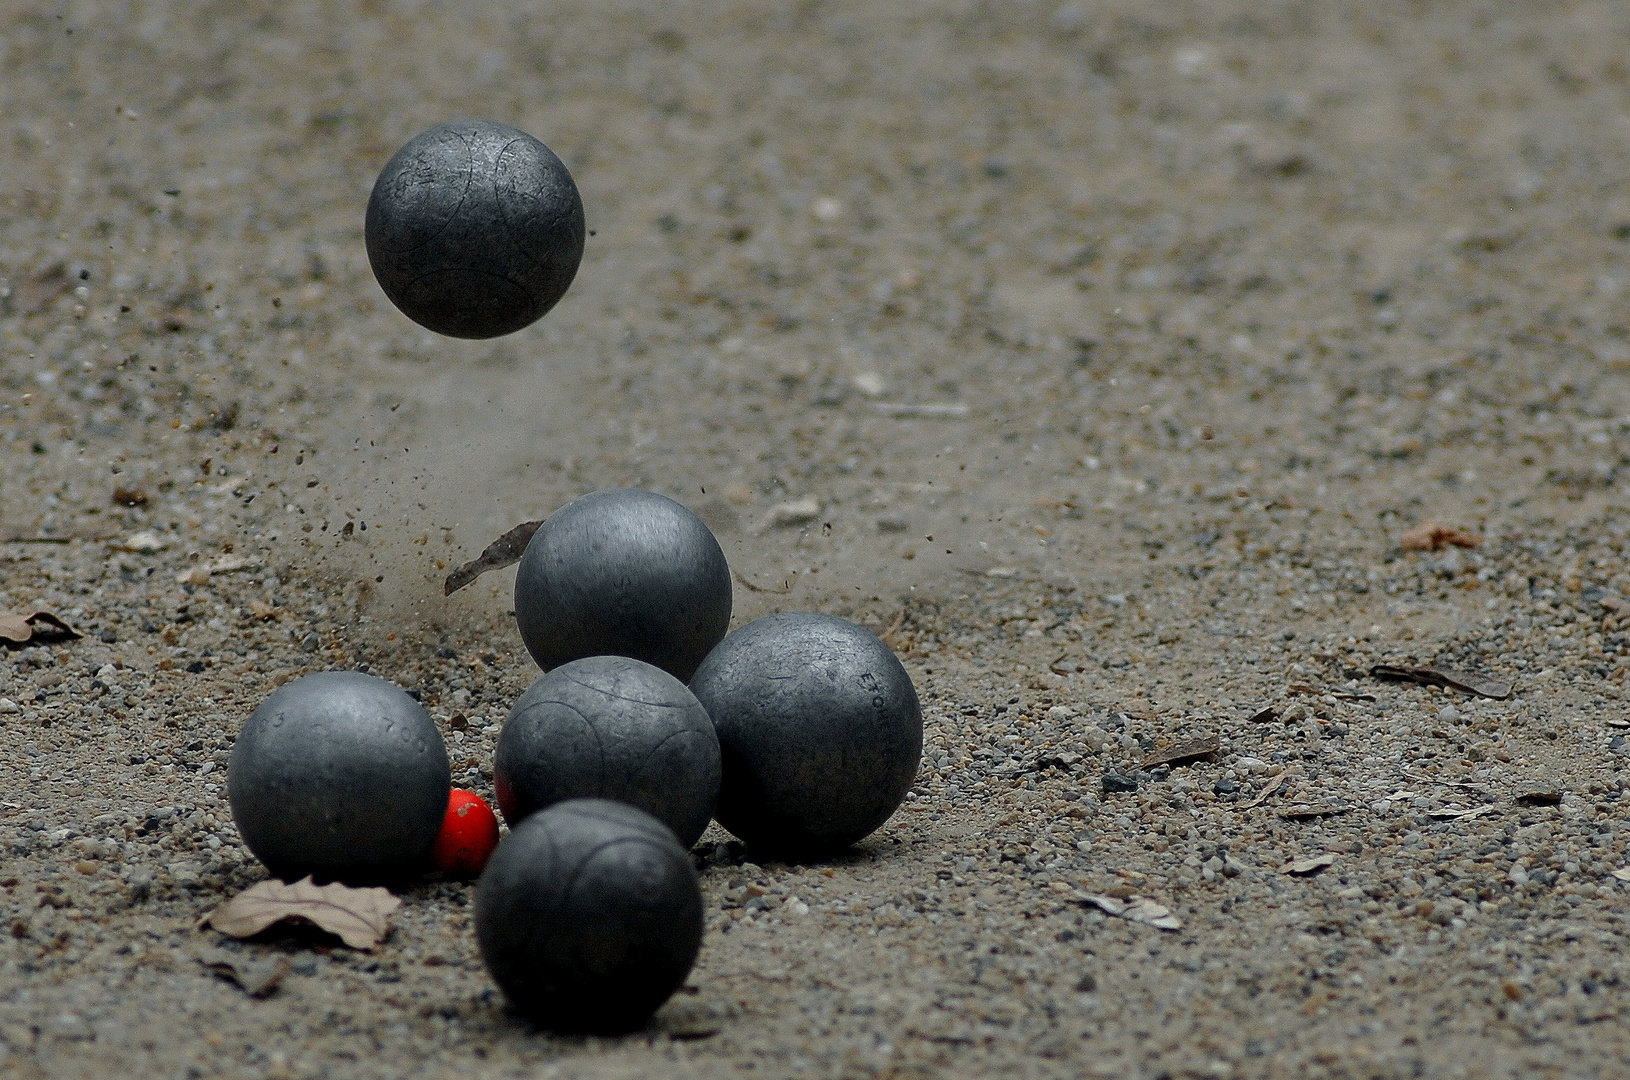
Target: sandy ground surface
<point x="1116" y="345"/>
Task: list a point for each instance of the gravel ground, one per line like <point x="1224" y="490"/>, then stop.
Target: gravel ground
<point x="1098" y="356"/>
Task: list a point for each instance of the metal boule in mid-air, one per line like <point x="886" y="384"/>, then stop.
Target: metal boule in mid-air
<point x="474" y="229"/>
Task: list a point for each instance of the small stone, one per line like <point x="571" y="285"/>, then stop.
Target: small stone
<point x="1115" y="782"/>
<point x="144" y="543"/>
<point x="797" y="512"/>
<point x="871" y="384"/>
<point x="70" y="1026"/>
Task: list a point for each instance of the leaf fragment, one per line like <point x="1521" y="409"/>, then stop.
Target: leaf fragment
<point x="1479" y="685"/>
<point x="358" y="917"/>
<point x="1267" y="789"/>
<point x="1185" y="753"/>
<point x="502" y="552"/>
<point x="16" y="629"/>
<point x="1138" y="909"/>
<point x="257" y="978"/>
<point x="1310" y="865"/>
<point x="1459" y="813"/>
<point x="1312" y="811"/>
<point x="1431" y="536"/>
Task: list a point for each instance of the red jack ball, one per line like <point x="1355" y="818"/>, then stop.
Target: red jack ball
<point x="469" y="834"/>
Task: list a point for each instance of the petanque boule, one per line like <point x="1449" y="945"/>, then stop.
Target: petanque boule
<point x="819" y="729"/>
<point x="623" y="572"/>
<point x="610" y="727"/>
<point x="474" y="229"/>
<point x="589" y="916"/>
<point x="342" y="776"/>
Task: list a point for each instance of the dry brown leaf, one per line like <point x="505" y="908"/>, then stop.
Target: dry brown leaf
<point x="1310" y="865"/>
<point x="38" y="626"/>
<point x="1312" y="811"/>
<point x="1441" y="676"/>
<point x="1267" y="789"/>
<point x="1445" y="783"/>
<point x="502" y="552"/>
<point x="358" y="917"/>
<point x="1185" y="753"/>
<point x="1138" y="909"/>
<point x="1431" y="536"/>
<point x="1459" y="813"/>
<point x="257" y="978"/>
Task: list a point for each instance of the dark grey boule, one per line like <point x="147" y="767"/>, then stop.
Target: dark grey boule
<point x="342" y="776"/>
<point x="623" y="572"/>
<point x="608" y="727"/>
<point x="819" y="728"/>
<point x="589" y="916"/>
<point x="474" y="229"/>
